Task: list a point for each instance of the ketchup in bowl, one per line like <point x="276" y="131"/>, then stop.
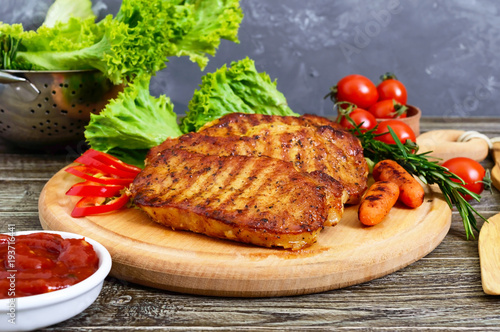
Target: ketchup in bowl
<point x="39" y="263"/>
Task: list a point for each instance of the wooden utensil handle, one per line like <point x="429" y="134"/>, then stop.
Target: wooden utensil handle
<point x="444" y="145"/>
<point x="496" y="153"/>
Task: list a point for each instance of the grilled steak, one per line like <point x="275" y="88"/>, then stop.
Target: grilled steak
<point x="259" y="200"/>
<point x="311" y="143"/>
<point x="241" y="123"/>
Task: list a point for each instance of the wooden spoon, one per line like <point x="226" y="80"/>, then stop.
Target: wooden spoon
<point x="495" y="172"/>
<point x="495" y="176"/>
<point x="489" y="239"/>
<point x="489" y="255"/>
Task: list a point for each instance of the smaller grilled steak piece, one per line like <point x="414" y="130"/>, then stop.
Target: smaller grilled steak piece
<point x="258" y="200"/>
<point x="241" y="123"/>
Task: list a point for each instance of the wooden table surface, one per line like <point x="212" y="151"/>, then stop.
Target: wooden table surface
<point x="442" y="291"/>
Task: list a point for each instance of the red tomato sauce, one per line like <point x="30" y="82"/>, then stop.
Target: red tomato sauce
<point x="40" y="263"/>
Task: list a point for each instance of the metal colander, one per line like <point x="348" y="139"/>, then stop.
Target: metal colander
<point x="50" y="108"/>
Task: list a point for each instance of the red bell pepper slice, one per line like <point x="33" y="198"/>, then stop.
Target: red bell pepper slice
<point x="95" y="175"/>
<point x="112" y="161"/>
<point x="88" y="160"/>
<point x="89" y="188"/>
<point x="88" y="206"/>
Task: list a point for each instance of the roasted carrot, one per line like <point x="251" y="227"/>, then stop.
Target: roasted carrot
<point x="411" y="193"/>
<point x="378" y="201"/>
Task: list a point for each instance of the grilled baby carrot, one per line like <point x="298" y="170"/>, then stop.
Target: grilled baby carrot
<point x="411" y="193"/>
<point x="377" y="203"/>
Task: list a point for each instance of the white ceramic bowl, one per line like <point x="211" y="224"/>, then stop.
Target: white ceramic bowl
<point x="37" y="311"/>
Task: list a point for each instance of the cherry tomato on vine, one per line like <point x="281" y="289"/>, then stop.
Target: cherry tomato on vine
<point x="355" y="89"/>
<point x="390" y="88"/>
<point x="401" y="129"/>
<point x="359" y="116"/>
<point x="468" y="170"/>
<point x="388" y="109"/>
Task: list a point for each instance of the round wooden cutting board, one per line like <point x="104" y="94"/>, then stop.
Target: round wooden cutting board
<point x="147" y="253"/>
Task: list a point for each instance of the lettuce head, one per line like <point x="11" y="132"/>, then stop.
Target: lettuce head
<point x="239" y="88"/>
<point x="136" y="42"/>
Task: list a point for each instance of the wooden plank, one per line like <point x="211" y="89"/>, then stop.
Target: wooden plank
<point x="20" y="196"/>
<point x="22" y="221"/>
<point x="378" y="303"/>
<point x="35" y="167"/>
<point x="483" y="125"/>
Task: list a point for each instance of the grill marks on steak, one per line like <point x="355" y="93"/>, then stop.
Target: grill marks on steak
<point x="259" y="200"/>
<point x="311" y="143"/>
<point x="273" y="181"/>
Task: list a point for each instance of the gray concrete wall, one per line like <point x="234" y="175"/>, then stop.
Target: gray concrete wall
<point x="446" y="52"/>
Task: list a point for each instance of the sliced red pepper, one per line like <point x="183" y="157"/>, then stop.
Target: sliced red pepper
<point x="105" y="177"/>
<point x="95" y="175"/>
<point x="89" y="188"/>
<point x="112" y="161"/>
<point x="88" y="160"/>
<point x="88" y="206"/>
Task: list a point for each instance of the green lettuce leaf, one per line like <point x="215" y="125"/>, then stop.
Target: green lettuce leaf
<point x="239" y="88"/>
<point x="73" y="35"/>
<point x="133" y="123"/>
<point x="211" y="21"/>
<point x="63" y="10"/>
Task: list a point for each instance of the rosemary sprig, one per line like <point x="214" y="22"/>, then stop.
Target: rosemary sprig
<point x="429" y="172"/>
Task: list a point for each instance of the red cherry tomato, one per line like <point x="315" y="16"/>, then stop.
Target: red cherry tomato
<point x="390" y="89"/>
<point x="388" y="109"/>
<point x="359" y="116"/>
<point x="468" y="170"/>
<point x="356" y="89"/>
<point x="401" y="129"/>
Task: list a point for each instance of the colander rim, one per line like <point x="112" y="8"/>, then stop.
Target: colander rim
<point x="17" y="71"/>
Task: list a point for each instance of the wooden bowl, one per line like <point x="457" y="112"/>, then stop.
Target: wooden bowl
<point x="413" y="119"/>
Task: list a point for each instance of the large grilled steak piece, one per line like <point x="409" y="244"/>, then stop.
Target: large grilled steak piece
<point x="258" y="200"/>
<point x="310" y="142"/>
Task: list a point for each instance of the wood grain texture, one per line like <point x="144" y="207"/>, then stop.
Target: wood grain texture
<point x="349" y="253"/>
<point x="440" y="292"/>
